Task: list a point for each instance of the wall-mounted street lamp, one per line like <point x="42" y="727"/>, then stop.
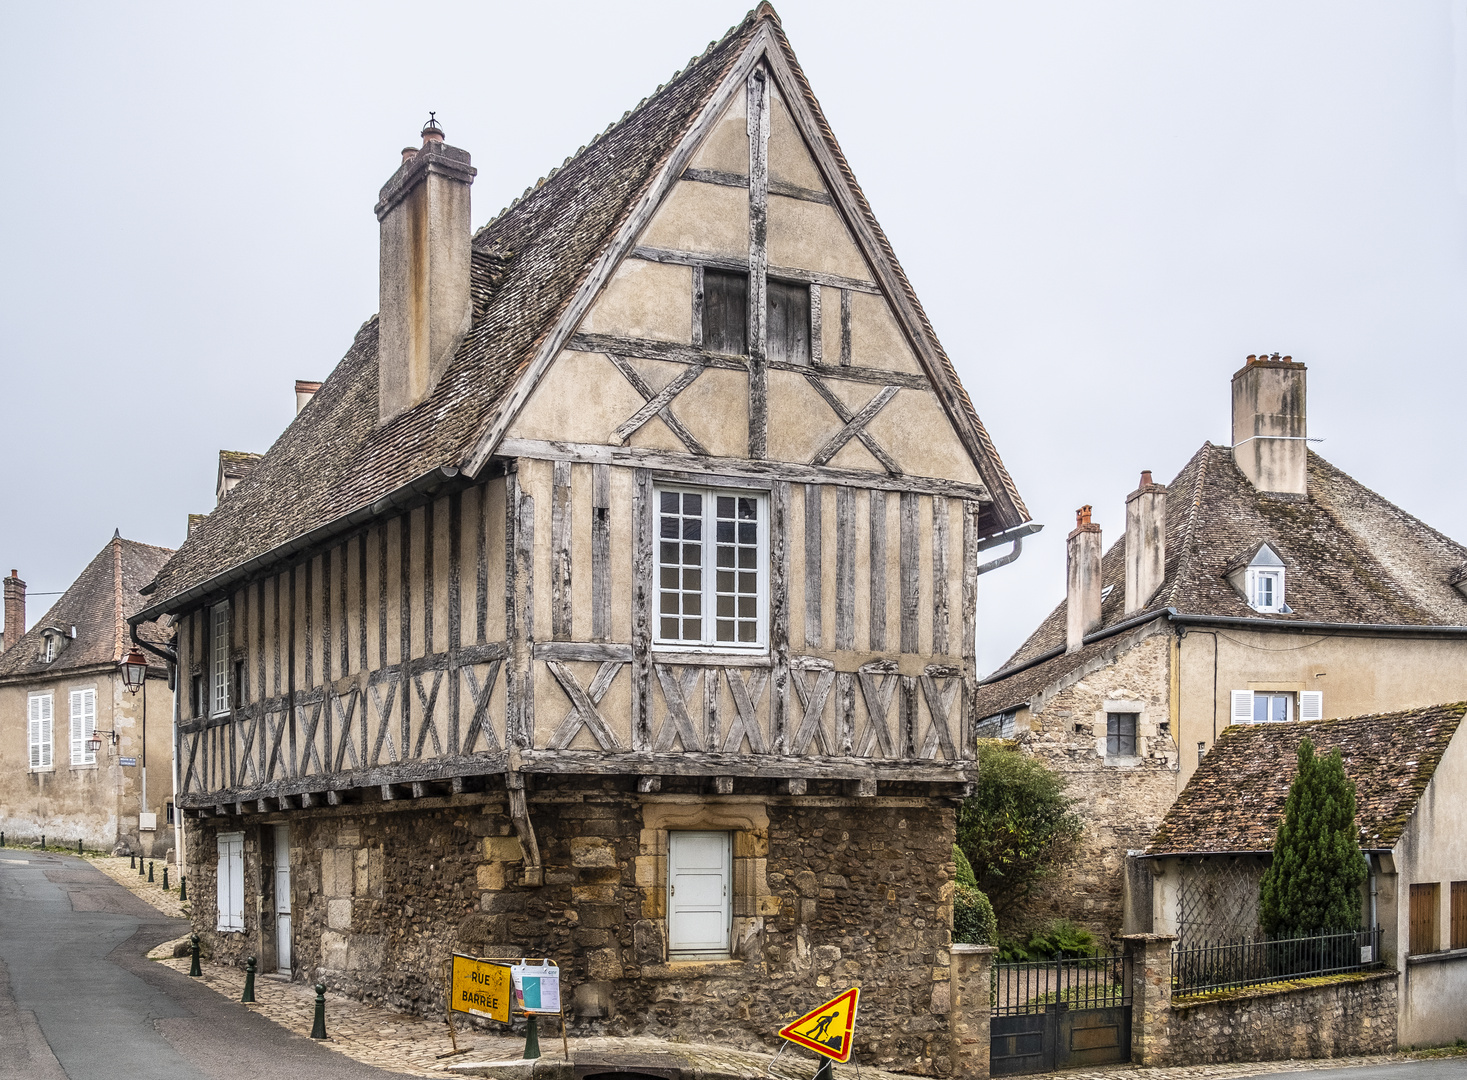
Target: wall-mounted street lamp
<point x="94" y="741"/>
<point x="134" y="668"/>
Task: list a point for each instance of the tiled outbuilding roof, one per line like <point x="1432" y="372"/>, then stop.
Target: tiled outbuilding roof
<point x="98" y="603"/>
<point x="1349" y="556"/>
<point x="1235" y="799"/>
<point x="528" y="264"/>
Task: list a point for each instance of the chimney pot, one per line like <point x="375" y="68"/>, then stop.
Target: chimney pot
<point x="1145" y="542"/>
<point x="14" y="612"/>
<point x="1082" y="592"/>
<point x="1270" y="424"/>
<point x="408" y="153"/>
<point x="425" y="308"/>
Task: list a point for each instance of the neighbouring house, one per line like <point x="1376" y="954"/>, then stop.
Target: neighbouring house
<point x="614" y="598"/>
<point x="59" y="684"/>
<point x="1410" y="774"/>
<point x="1261" y="585"/>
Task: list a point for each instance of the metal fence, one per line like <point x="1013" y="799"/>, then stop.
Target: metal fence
<point x="1198" y="968"/>
<point x="1096" y="982"/>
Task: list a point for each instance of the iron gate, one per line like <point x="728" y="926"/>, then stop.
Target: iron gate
<point x="1060" y="1014"/>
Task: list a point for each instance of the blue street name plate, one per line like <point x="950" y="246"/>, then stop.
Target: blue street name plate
<point x="127" y="761"/>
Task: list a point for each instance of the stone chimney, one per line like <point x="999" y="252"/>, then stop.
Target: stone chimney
<point x="304" y="391"/>
<point x="1145" y="542"/>
<point x="1082" y="597"/>
<point x="14" y="610"/>
<point x="425" y="305"/>
<point x="1268" y="424"/>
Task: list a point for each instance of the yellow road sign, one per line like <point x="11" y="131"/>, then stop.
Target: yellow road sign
<point x="480" y="988"/>
<point x="830" y="1029"/>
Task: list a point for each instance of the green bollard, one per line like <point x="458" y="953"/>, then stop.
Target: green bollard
<point x="532" y="1038"/>
<point x="78" y="847"/>
<point x="43" y="841"/>
<point x="140" y="866"/>
<point x="2" y="839"/>
<point x="182" y="889"/>
<point x="248" y="997"/>
<point x="318" y="1029"/>
<point x="193" y="969"/>
<point x="150" y="871"/>
<point x="132" y="862"/>
<point x="165" y="879"/>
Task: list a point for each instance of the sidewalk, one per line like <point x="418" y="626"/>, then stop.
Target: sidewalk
<point x="413" y="1044"/>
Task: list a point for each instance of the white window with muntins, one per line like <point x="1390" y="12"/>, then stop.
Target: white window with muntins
<point x="39" y="730"/>
<point x="1275" y="707"/>
<point x="229" y="885"/>
<point x="219" y="659"/>
<point x="83" y="723"/>
<point x="712" y="568"/>
<point x="699" y="893"/>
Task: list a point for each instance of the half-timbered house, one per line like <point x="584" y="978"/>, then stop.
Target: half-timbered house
<point x="614" y="598"/>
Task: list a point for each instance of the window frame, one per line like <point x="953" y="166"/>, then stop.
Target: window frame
<point x="709" y="569"/>
<point x="80" y="755"/>
<point x="218" y="678"/>
<point x="1457" y="915"/>
<point x="1113" y="737"/>
<point x="1291" y="706"/>
<point x="1257" y="576"/>
<point x="41" y="732"/>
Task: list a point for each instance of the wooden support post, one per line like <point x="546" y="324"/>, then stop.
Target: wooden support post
<point x="648" y="784"/>
<point x="724" y="785"/>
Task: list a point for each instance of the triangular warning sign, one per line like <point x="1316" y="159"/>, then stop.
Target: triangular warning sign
<point x="828" y="1030"/>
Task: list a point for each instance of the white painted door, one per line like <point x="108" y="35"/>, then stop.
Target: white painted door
<point x="699" y="876"/>
<point x="282" y="897"/>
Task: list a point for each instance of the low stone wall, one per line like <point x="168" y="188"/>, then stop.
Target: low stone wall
<point x="1333" y="1016"/>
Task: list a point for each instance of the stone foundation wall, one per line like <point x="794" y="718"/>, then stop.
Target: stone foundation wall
<point x="1120" y="803"/>
<point x="829" y="892"/>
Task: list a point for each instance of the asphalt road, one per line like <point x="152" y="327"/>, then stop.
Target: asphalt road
<point x="80" y="1001"/>
<point x="1453" y="1068"/>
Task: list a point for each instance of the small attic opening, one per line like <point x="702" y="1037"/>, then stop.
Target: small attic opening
<point x="1260" y="581"/>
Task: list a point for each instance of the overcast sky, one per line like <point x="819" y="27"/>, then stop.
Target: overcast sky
<point x="1104" y="208"/>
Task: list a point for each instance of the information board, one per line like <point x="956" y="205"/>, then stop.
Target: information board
<point x="536" y="986"/>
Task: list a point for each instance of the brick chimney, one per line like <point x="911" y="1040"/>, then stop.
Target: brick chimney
<point x="1082" y="597"/>
<point x="1145" y="542"/>
<point x="424" y="273"/>
<point x="304" y="391"/>
<point x="14" y="610"/>
<point x="1269" y="424"/>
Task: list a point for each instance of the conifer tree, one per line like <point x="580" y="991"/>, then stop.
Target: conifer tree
<point x="1313" y="883"/>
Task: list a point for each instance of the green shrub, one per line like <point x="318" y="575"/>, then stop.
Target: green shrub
<point x="1017" y="826"/>
<point x="1058" y="936"/>
<point x="973" y="920"/>
<point x="1314" y="881"/>
<point x="965" y="868"/>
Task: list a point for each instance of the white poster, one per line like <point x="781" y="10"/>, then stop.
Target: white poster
<point x="536" y="987"/>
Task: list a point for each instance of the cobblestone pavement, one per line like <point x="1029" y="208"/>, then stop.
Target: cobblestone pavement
<point x="412" y="1044"/>
<point x="165" y="901"/>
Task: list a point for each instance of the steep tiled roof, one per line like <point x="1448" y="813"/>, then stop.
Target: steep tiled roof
<point x="528" y="264"/>
<point x="1235" y="799"/>
<point x="98" y="604"/>
<point x="1349" y="555"/>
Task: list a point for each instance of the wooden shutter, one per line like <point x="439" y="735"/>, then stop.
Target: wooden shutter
<point x="1425" y="906"/>
<point x="1311" y="705"/>
<point x="33" y="729"/>
<point x="788" y="324"/>
<point x="1242" y="711"/>
<point x="698" y="877"/>
<point x="1459" y="914"/>
<point x="229" y="885"/>
<point x="83" y="724"/>
<point x="725" y="312"/>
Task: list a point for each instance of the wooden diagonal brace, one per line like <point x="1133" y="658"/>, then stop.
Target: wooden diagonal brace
<point x="658" y="404"/>
<point x="855" y="426"/>
<point x="519" y="813"/>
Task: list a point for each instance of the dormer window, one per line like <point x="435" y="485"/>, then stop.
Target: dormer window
<point x="1261" y="581"/>
<point x="50" y="648"/>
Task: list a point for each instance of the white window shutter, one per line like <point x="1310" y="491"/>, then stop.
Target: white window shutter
<point x="33" y="724"/>
<point x="1311" y="705"/>
<point x="47" y="759"/>
<point x="78" y="746"/>
<point x="1242" y="707"/>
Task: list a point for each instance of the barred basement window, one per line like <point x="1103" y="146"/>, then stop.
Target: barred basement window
<point x="711" y="568"/>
